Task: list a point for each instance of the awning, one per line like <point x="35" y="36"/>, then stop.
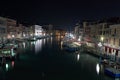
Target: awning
<point x="110" y="49"/>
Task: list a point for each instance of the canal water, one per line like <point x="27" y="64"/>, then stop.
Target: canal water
<point x="45" y="59"/>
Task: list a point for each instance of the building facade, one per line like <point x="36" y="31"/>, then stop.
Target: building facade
<point x="49" y="29"/>
<point x="11" y="28"/>
<point x="38" y="30"/>
<point x="106" y="33"/>
<point x="3" y="29"/>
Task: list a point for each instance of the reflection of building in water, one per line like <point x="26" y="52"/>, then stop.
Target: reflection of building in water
<point x="58" y="38"/>
<point x="7" y="66"/>
<point x="23" y="44"/>
<point x="12" y="64"/>
<point x="33" y="43"/>
<point x="47" y="39"/>
<point x="38" y="45"/>
<point x="51" y="39"/>
<point x="61" y="45"/>
<point x="44" y="40"/>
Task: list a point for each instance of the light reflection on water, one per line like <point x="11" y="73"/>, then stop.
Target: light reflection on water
<point x="51" y="40"/>
<point x="33" y="42"/>
<point x="44" y="41"/>
<point x="24" y="45"/>
<point x="97" y="68"/>
<point x="5" y="68"/>
<point x="38" y="45"/>
<point x="12" y="63"/>
<point x="86" y="64"/>
<point x="35" y="45"/>
<point x="117" y="79"/>
<point x="8" y="65"/>
<point x="58" y="38"/>
<point x="78" y="57"/>
<point x="61" y="45"/>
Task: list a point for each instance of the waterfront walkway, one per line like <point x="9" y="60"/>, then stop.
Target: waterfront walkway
<point x="97" y="53"/>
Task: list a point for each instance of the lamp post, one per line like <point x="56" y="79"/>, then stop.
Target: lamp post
<point x="102" y="38"/>
<point x="100" y="49"/>
<point x="24" y="35"/>
<point x="100" y="44"/>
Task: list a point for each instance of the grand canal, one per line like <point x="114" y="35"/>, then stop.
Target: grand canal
<point x="45" y="59"/>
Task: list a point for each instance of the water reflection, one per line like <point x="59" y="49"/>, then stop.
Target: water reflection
<point x="61" y="45"/>
<point x="7" y="66"/>
<point x="10" y="65"/>
<point x="38" y="45"/>
<point x="32" y="45"/>
<point x="35" y="45"/>
<point x="58" y="38"/>
<point x="33" y="42"/>
<point x="44" y="40"/>
<point x="53" y="66"/>
<point x="97" y="68"/>
<point x="117" y="79"/>
<point x="13" y="63"/>
<point x="23" y="44"/>
<point x="51" y="39"/>
<point x="78" y="57"/>
<point x="47" y="39"/>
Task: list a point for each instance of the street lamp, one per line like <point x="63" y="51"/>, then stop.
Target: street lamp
<point x="36" y="34"/>
<point x="13" y="36"/>
<point x="79" y="39"/>
<point x="100" y="44"/>
<point x="30" y="34"/>
<point x="100" y="50"/>
<point x="24" y="35"/>
<point x="102" y="38"/>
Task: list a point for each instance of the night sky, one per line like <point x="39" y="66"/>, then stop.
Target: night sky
<point x="64" y="13"/>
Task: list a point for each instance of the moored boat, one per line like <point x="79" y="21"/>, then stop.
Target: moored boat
<point x="113" y="72"/>
<point x="8" y="52"/>
<point x="70" y="46"/>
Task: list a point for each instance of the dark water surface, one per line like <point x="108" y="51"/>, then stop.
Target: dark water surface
<point x="45" y="59"/>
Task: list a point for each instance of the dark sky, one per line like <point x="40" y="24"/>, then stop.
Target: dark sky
<point x="57" y="12"/>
